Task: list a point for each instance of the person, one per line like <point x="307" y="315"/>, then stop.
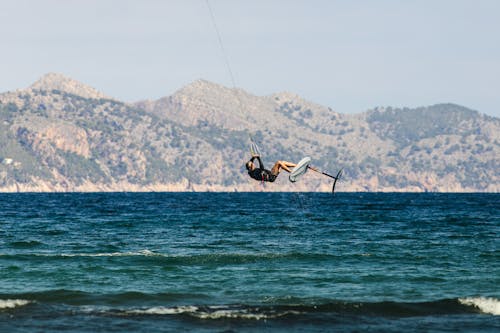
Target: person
<point x="262" y="174"/>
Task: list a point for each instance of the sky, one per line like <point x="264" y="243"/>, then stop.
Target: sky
<point x="347" y="55"/>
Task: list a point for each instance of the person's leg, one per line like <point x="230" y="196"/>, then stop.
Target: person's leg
<point x="282" y="165"/>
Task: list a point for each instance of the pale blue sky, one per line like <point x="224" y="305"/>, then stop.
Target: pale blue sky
<point x="348" y="55"/>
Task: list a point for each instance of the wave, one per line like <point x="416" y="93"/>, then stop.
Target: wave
<point x="219" y="258"/>
<point x="25" y="244"/>
<point x="198" y="306"/>
<point x="217" y="312"/>
<point x="378" y="309"/>
<point x="485" y="304"/>
<point x="12" y="303"/>
<point x="145" y="253"/>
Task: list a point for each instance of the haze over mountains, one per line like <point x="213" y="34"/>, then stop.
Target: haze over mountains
<point x="62" y="135"/>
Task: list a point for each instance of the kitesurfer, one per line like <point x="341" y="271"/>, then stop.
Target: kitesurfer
<point x="263" y="174"/>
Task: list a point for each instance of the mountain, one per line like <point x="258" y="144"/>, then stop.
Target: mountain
<point x="54" y="81"/>
<point x="62" y="135"/>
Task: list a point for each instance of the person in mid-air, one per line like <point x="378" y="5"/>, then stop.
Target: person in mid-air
<point x="263" y="174"/>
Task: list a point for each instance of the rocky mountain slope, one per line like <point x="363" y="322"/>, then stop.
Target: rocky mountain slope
<point x="61" y="135"/>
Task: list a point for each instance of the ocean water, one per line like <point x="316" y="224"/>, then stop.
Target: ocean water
<point x="249" y="262"/>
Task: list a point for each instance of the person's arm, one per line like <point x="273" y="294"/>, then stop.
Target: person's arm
<point x="261" y="165"/>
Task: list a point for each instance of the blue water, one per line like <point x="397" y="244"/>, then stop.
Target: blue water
<point x="249" y="262"/>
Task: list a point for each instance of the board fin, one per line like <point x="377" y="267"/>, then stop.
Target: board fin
<point x="337" y="177"/>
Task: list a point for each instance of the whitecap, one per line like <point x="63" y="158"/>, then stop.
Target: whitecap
<point x="485" y="304"/>
<point x="241" y="314"/>
<point x="212" y="312"/>
<point x="12" y="303"/>
<point x="162" y="310"/>
<point x="145" y="253"/>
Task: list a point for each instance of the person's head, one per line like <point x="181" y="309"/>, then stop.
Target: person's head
<point x="249" y="165"/>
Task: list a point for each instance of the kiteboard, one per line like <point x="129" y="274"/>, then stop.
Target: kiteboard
<point x="300" y="169"/>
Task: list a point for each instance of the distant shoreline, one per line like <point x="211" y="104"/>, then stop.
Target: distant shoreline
<point x="278" y="190"/>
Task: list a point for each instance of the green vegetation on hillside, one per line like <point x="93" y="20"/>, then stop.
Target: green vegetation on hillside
<point x="51" y="134"/>
<point x="409" y="125"/>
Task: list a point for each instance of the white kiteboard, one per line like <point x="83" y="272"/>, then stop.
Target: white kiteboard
<point x="299" y="169"/>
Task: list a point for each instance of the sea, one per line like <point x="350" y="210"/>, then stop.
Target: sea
<point x="249" y="262"/>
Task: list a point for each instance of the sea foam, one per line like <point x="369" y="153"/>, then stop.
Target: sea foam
<point x="162" y="310"/>
<point x="145" y="253"/>
<point x="485" y="304"/>
<point x="213" y="312"/>
<point x="12" y="303"/>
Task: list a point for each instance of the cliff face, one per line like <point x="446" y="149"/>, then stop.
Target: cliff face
<point x="61" y="135"/>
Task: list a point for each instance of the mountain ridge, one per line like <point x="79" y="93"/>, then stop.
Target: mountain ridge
<point x="76" y="139"/>
<point x="56" y="81"/>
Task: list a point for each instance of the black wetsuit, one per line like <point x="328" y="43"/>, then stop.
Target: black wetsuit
<point x="260" y="173"/>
